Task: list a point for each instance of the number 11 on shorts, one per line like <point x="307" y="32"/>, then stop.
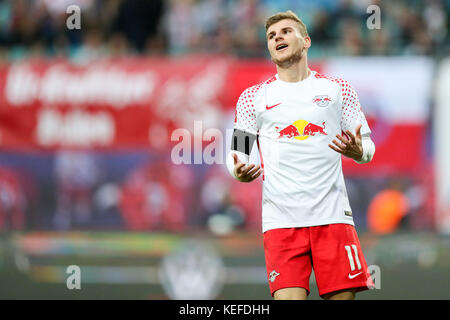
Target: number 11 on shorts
<point x="350" y="257"/>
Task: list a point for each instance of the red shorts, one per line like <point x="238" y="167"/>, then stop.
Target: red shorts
<point x="333" y="251"/>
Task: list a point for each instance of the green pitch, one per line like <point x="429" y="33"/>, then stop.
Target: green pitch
<point x="119" y="265"/>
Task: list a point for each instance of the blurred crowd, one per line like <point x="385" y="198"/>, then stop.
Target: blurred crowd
<point x="134" y="191"/>
<point x="115" y="28"/>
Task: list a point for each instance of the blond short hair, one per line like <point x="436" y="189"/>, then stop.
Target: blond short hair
<point x="287" y="15"/>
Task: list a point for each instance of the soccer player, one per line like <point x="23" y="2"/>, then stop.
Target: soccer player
<point x="303" y="122"/>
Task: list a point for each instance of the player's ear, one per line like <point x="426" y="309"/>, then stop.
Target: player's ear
<point x="307" y="42"/>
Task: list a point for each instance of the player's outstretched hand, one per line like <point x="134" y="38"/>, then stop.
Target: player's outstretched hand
<point x="245" y="173"/>
<point x="350" y="148"/>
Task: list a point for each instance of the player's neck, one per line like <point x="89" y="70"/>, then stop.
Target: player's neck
<point x="294" y="73"/>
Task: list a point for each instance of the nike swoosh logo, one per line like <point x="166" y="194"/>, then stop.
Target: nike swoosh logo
<point x="268" y="108"/>
<point x="353" y="276"/>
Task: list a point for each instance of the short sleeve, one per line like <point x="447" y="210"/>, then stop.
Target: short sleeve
<point x="352" y="113"/>
<point x="245" y="116"/>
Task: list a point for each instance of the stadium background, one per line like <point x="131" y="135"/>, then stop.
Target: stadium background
<point x="87" y="118"/>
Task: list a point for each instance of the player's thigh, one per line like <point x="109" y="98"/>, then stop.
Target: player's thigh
<point x="338" y="260"/>
<point x="291" y="294"/>
<point x="288" y="259"/>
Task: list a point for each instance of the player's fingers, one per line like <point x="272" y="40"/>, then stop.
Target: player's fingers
<point x="335" y="149"/>
<point x="256" y="175"/>
<point x="252" y="172"/>
<point x="344" y="141"/>
<point x="235" y="158"/>
<point x="352" y="137"/>
<point x="340" y="145"/>
<point x="247" y="169"/>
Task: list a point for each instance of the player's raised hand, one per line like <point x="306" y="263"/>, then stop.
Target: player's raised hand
<point x="350" y="148"/>
<point x="245" y="173"/>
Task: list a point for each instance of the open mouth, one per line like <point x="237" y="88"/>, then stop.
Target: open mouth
<point x="281" y="46"/>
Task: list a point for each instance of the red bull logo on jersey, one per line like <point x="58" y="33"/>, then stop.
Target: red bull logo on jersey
<point x="322" y="100"/>
<point x="301" y="130"/>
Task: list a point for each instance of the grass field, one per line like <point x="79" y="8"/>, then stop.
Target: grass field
<point x="117" y="265"/>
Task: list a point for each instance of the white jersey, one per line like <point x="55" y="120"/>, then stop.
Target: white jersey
<point x="303" y="183"/>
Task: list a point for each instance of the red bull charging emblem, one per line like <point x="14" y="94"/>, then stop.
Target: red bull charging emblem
<point x="301" y="130"/>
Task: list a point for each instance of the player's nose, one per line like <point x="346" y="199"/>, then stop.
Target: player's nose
<point x="278" y="37"/>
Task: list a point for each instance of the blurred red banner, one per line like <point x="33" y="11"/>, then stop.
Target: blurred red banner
<point x="137" y="103"/>
<point x="117" y="104"/>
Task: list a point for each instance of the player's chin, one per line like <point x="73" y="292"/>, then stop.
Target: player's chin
<point x="282" y="60"/>
<point x="287" y="57"/>
<point x="283" y="54"/>
<point x="279" y="54"/>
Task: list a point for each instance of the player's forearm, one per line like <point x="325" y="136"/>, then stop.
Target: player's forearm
<point x="368" y="150"/>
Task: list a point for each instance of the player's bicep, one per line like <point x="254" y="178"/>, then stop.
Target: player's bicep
<point x="352" y="114"/>
<point x="245" y="116"/>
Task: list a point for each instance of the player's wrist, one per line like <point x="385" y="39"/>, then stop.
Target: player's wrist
<point x="368" y="150"/>
<point x="360" y="155"/>
<point x="232" y="166"/>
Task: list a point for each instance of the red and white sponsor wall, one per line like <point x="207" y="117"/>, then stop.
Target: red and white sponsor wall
<point x="135" y="104"/>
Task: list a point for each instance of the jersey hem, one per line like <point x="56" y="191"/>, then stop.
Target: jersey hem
<point x="303" y="225"/>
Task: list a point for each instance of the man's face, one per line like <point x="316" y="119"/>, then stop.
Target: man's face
<point x="285" y="43"/>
